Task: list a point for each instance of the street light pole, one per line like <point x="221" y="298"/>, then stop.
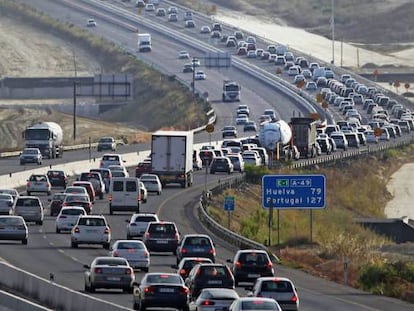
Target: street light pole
<point x="333" y="30"/>
<point x="193" y="83"/>
<point x="74" y="95"/>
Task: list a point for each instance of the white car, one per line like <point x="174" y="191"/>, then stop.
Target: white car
<point x="91" y="23"/>
<point x="38" y="183"/>
<point x="13" y="192"/>
<point x="6" y="204"/>
<point x="242" y="119"/>
<point x="91" y="229"/>
<point x="76" y="190"/>
<point x="68" y="217"/>
<point x="144" y="192"/>
<point x="161" y="12"/>
<point x="183" y="55"/>
<point x="199" y="75"/>
<point x="135" y="252"/>
<point x="205" y="29"/>
<point x="111" y="159"/>
<point x="172" y="17"/>
<point x="152" y="183"/>
<point x="252" y="158"/>
<point x="254" y="304"/>
<point x="138" y="224"/>
<point x="149" y="7"/>
<point x="118" y="168"/>
<point x="31" y="155"/>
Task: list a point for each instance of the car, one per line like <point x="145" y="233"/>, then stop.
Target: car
<point x="205" y="29"/>
<point x="106" y="143"/>
<point x="106" y="175"/>
<point x="31" y="155"/>
<point x="241" y="51"/>
<point x="311" y="86"/>
<point x="160" y="12"/>
<point x="58" y="178"/>
<point x="244" y="109"/>
<point x="190" y="24"/>
<point x="78" y="200"/>
<point x="30" y="208"/>
<point x="252" y="158"/>
<point x="124" y="195"/>
<point x="325" y="144"/>
<point x="371" y="137"/>
<point x="161" y="290"/>
<point x="109" y="273"/>
<point x="89" y="188"/>
<point x="221" y="164"/>
<point x="200" y="75"/>
<point x="251" y="53"/>
<point x="91" y="229"/>
<point x="138" y="223"/>
<point x="242" y="119"/>
<point x="38" y="183"/>
<point x="208" y="275"/>
<point x="56" y="203"/>
<point x="91" y="23"/>
<point x="172" y="10"/>
<point x="188" y="68"/>
<point x="196" y="245"/>
<point x="76" y="190"/>
<point x="254" y="304"/>
<point x="280" y="289"/>
<point x="144" y="192"/>
<point x="250" y="264"/>
<point x="211" y="299"/>
<point x="140" y="3"/>
<point x="183" y="55"/>
<point x="237" y="161"/>
<point x="150" y="7"/>
<point x="118" y="171"/>
<point x="340" y="140"/>
<point x="187" y="263"/>
<point x="353" y="140"/>
<point x="300" y="78"/>
<point x="67" y="218"/>
<point x="217" y="27"/>
<point x="172" y="17"/>
<point x="6" y="204"/>
<point x="96" y="180"/>
<point x="271" y="113"/>
<point x="13" y="228"/>
<point x="250" y="126"/>
<point x="111" y="159"/>
<point x="135" y="252"/>
<point x="162" y="236"/>
<point x="143" y="168"/>
<point x="152" y="183"/>
<point x="13" y="192"/>
<point x="229" y="130"/>
<point x="196" y="62"/>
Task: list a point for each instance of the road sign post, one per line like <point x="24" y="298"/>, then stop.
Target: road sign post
<point x="229" y="207"/>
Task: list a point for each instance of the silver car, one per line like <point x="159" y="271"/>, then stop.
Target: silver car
<point x="109" y="272"/>
<point x="6" y="204"/>
<point x="13" y="192"/>
<point x="30" y="208"/>
<point x="30" y="155"/>
<point x="152" y="183"/>
<point x="218" y="299"/>
<point x="68" y="217"/>
<point x="38" y="183"/>
<point x="135" y="252"/>
<point x="13" y="228"/>
<point x="91" y="230"/>
<point x="138" y="224"/>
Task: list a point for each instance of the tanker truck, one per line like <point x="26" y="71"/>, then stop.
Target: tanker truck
<point x="47" y="136"/>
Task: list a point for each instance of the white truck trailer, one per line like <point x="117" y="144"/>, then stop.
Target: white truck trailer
<point x="172" y="157"/>
<point x="144" y="42"/>
<point x="47" y="136"/>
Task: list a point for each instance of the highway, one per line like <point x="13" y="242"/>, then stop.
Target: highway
<point x="48" y="252"/>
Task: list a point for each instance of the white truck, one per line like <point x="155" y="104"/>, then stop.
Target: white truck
<point x="231" y="91"/>
<point x="47" y="137"/>
<point x="172" y="157"/>
<point x="144" y="42"/>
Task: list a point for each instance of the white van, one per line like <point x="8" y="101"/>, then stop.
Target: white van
<point x="124" y="194"/>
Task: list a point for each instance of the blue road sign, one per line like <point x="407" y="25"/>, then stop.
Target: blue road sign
<point x="293" y="191"/>
<point x="229" y="203"/>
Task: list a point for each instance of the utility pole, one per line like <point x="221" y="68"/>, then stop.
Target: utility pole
<point x="193" y="82"/>
<point x="74" y="94"/>
<point x="333" y="31"/>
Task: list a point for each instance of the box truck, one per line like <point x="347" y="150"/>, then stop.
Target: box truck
<point x="172" y="157"/>
<point x="144" y="42"/>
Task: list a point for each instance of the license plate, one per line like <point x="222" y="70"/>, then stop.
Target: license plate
<point x="253" y="275"/>
<point x="214" y="282"/>
<point x="90" y="231"/>
<point x="166" y="290"/>
<point x="112" y="278"/>
<point x="162" y="242"/>
<point x="198" y="250"/>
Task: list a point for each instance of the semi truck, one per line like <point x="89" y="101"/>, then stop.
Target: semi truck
<point x="144" y="42"/>
<point x="172" y="157"/>
<point x="231" y="91"/>
<point x="304" y="133"/>
<point x="47" y="137"/>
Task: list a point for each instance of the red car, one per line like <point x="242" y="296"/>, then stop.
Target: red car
<point x="143" y="168"/>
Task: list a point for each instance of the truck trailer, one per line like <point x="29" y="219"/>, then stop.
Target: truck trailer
<point x="47" y="136"/>
<point x="172" y="157"/>
<point x="304" y="135"/>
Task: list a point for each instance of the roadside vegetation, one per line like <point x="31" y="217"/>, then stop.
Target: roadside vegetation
<point x="159" y="100"/>
<point x="355" y="189"/>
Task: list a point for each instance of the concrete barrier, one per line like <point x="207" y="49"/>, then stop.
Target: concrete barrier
<point x="50" y="294"/>
<point x="10" y="302"/>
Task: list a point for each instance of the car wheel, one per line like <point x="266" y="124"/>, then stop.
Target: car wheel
<point x="159" y="192"/>
<point x="110" y="211"/>
<point x="106" y="245"/>
<point x="135" y="306"/>
<point x="57" y="230"/>
<point x="212" y="172"/>
<point x="91" y="288"/>
<point x="21" y="163"/>
<point x="101" y="196"/>
<point x="74" y="245"/>
<point x="145" y="270"/>
<point x="86" y="287"/>
<point x="49" y="192"/>
<point x="28" y="192"/>
<point x="142" y="307"/>
<point x="24" y="241"/>
<point x="40" y="222"/>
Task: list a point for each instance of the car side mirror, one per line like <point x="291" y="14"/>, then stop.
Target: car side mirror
<point x="10" y="203"/>
<point x="86" y="266"/>
<point x="127" y="220"/>
<point x="229" y="261"/>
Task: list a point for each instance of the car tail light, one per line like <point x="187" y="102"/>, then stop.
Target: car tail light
<point x="238" y="264"/>
<point x="139" y="197"/>
<point x="184" y="290"/>
<point x="107" y="230"/>
<point x="211" y="251"/>
<point x="147" y="235"/>
<point x="128" y="271"/>
<point x="177" y="236"/>
<point x="76" y="230"/>
<point x="269" y="264"/>
<point x="198" y="272"/>
<point x="184" y="250"/>
<point x="65" y="204"/>
<point x="98" y="270"/>
<point x="48" y="185"/>
<point x="101" y="164"/>
<point x="116" y="254"/>
<point x="110" y="198"/>
<point x="149" y="290"/>
<point x="182" y="272"/>
<point x="62" y="217"/>
<point x="207" y="303"/>
<point x="294" y="298"/>
<point x="28" y="184"/>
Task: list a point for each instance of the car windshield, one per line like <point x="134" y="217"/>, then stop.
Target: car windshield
<point x="164" y="278"/>
<point x="145" y="219"/>
<point x="28" y="202"/>
<point x="106" y="140"/>
<point x="111" y="262"/>
<point x="38" y="178"/>
<point x="72" y="212"/>
<point x="259" y="305"/>
<point x="30" y="151"/>
<point x="59" y="197"/>
<point x="162" y="228"/>
<point x="11" y="221"/>
<point x="6" y="197"/>
<point x="130" y="245"/>
<point x="92" y="222"/>
<point x="110" y="158"/>
<point x="77" y="198"/>
<point x="278" y="286"/>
